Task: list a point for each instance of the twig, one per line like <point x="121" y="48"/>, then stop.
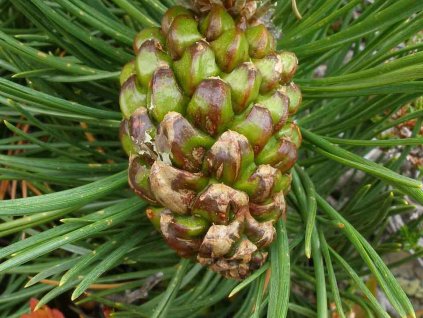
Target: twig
<point x="33" y="188"/>
<point x="92" y="286"/>
<point x="4" y="185"/>
<point x="24" y="189"/>
<point x="13" y="189"/>
<point x="140" y="293"/>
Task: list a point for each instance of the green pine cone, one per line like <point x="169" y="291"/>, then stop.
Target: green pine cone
<point x="206" y="105"/>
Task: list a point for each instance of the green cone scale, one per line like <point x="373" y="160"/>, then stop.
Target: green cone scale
<point x="207" y="106"/>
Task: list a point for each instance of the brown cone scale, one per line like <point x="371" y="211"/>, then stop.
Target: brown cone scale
<point x="207" y="106"/>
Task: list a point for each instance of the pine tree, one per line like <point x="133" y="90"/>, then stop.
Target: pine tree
<point x="72" y="230"/>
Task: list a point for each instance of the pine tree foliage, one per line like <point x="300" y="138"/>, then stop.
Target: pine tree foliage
<point x="74" y="228"/>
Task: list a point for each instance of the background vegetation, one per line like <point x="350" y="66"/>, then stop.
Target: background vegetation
<point x="75" y="230"/>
